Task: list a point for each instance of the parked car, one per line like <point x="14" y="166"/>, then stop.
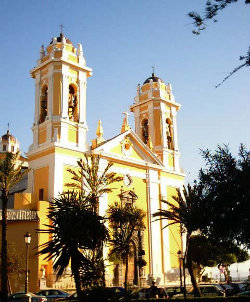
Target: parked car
<point x="162" y="293"/>
<point x="141" y="293"/>
<point x="238" y="287"/>
<point x="145" y="293"/>
<point x="118" y="291"/>
<point x="229" y="290"/>
<point x="174" y="290"/>
<point x="52" y="294"/>
<point x="207" y="290"/>
<point x="72" y="298"/>
<point x="107" y="292"/>
<point x="20" y="296"/>
<point x="245" y="293"/>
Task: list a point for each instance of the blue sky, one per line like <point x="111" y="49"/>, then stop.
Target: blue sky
<point x="121" y="41"/>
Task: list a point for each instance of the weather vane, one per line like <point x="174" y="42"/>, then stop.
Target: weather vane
<point x="153" y="69"/>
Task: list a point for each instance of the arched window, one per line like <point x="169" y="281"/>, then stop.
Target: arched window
<point x="72" y="104"/>
<point x="145" y="131"/>
<point x="43" y="104"/>
<point x="169" y="134"/>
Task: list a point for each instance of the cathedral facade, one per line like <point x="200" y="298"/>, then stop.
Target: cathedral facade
<point x="147" y="159"/>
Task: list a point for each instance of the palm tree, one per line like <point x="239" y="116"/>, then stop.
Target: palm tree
<point x="76" y="232"/>
<point x="93" y="182"/>
<point x="188" y="210"/>
<point x="11" y="173"/>
<point x="126" y="221"/>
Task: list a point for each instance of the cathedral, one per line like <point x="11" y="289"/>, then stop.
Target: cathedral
<point x="147" y="158"/>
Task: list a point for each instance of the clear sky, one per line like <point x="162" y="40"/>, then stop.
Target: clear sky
<point x="121" y="41"/>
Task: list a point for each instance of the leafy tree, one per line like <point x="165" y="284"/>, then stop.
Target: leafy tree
<point x="15" y="264"/>
<point x="226" y="182"/>
<point x="76" y="231"/>
<point x="211" y="11"/>
<point x="126" y="221"/>
<point x="188" y="209"/>
<point x="208" y="252"/>
<point x="93" y="182"/>
<point x="11" y="173"/>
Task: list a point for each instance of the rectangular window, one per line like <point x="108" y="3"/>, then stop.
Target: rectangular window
<point x="12" y="148"/>
<point x="41" y="193"/>
<point x="4" y="147"/>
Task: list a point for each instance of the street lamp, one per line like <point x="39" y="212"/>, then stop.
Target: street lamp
<point x="179" y="253"/>
<point x="182" y="259"/>
<point x="27" y="239"/>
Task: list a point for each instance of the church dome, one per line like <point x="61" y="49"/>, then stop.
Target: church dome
<point x="59" y="39"/>
<point x="154" y="78"/>
<point x="9" y="137"/>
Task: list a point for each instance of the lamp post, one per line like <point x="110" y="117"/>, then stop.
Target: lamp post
<point x="27" y="239"/>
<point x="184" y="277"/>
<point x="182" y="259"/>
<point x="179" y="253"/>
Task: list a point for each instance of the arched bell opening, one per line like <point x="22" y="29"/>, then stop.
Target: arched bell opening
<point x="43" y="104"/>
<point x="73" y="103"/>
<point x="169" y="134"/>
<point x="145" y="131"/>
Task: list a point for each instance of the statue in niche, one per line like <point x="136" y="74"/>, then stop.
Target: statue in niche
<point x="169" y="135"/>
<point x="72" y="103"/>
<point x="145" y="131"/>
<point x="44" y="106"/>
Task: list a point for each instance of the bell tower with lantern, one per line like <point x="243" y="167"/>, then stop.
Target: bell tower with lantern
<point x="155" y="112"/>
<point x="60" y="126"/>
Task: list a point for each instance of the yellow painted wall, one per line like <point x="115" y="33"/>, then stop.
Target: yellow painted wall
<point x="139" y="187"/>
<point x="42" y="238"/>
<point x="58" y="54"/>
<point x="57" y="94"/>
<point x="72" y="134"/>
<point x="41" y="181"/>
<point x="143" y="108"/>
<point x="143" y="97"/>
<point x="156" y="93"/>
<point x="45" y="58"/>
<point x="67" y="177"/>
<point x="72" y="58"/>
<point x="42" y="134"/>
<point x="157" y="128"/>
<point x="73" y="71"/>
<point x="170" y="160"/>
<point x="118" y="150"/>
<point x="172" y="176"/>
<point x="174" y="233"/>
<point x="145" y="87"/>
<point x="15" y="238"/>
<point x="24" y="201"/>
<point x="44" y="72"/>
<point x="41" y="154"/>
<point x="69" y="152"/>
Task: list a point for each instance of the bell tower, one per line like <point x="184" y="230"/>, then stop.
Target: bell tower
<point x="155" y="112"/>
<point x="60" y="97"/>
<point x="60" y="127"/>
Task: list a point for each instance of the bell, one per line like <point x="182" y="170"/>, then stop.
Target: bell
<point x="44" y="104"/>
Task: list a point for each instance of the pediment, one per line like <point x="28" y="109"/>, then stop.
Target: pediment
<point x="129" y="147"/>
